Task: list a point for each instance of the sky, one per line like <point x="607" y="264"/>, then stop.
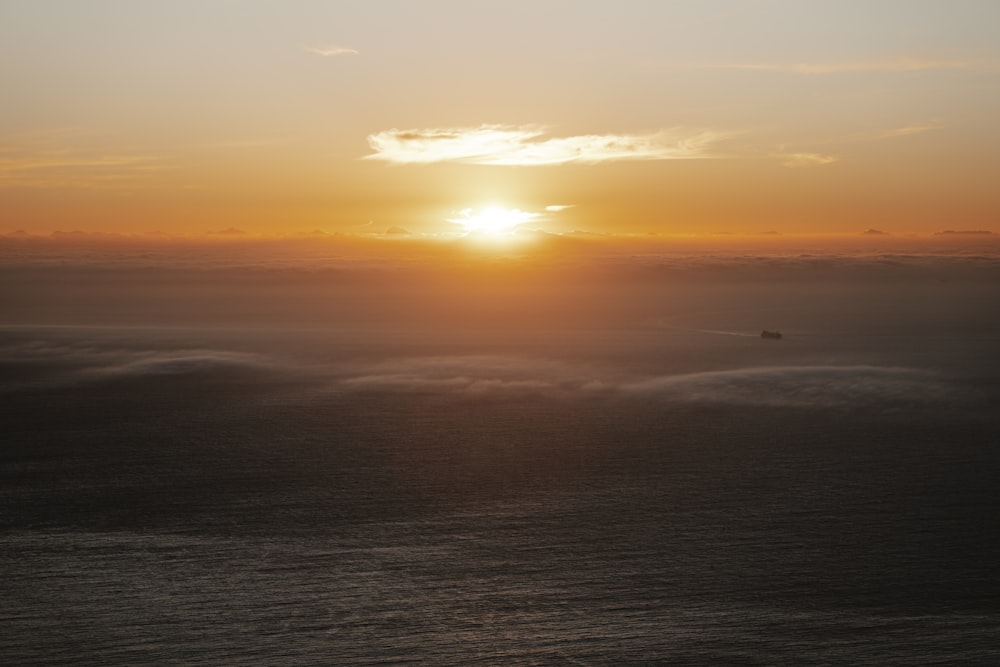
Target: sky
<point x="632" y="117"/>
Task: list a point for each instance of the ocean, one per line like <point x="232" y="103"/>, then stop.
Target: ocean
<point x="667" y="488"/>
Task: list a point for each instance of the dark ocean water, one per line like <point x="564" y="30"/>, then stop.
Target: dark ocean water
<point x="660" y="495"/>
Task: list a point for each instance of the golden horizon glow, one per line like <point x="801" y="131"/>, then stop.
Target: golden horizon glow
<point x="493" y="221"/>
<point x="650" y="118"/>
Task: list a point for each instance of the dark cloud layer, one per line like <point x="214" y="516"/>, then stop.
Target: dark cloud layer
<point x="566" y="282"/>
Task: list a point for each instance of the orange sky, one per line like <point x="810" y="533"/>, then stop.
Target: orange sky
<point x="619" y="118"/>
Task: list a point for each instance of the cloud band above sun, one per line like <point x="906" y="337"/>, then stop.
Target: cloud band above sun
<point x="507" y="145"/>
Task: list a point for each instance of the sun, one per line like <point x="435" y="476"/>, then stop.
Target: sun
<point x="492" y="220"/>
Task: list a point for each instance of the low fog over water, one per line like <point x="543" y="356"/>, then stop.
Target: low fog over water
<point x="316" y="455"/>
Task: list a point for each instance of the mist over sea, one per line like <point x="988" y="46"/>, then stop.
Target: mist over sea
<point x="222" y="459"/>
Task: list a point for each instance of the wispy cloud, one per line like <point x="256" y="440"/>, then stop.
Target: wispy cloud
<point x="912" y="128"/>
<point x="65" y="169"/>
<point x="55" y="159"/>
<point x="244" y="144"/>
<point x="523" y="146"/>
<point x="66" y="362"/>
<point x="330" y="50"/>
<point x="143" y="358"/>
<point x="889" y="65"/>
<point x="821" y="386"/>
<point x="470" y="374"/>
<point x="817" y="386"/>
<point x="805" y="160"/>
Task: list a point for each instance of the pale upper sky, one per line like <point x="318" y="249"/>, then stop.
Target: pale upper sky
<point x="685" y="116"/>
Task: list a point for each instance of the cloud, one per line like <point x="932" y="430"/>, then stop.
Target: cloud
<point x="61" y="357"/>
<point x="475" y="374"/>
<point x="463" y="383"/>
<point x="556" y="208"/>
<point x="46" y="160"/>
<point x="181" y="363"/>
<point x="893" y="65"/>
<point x="805" y="160"/>
<point x="330" y="51"/>
<point x="861" y="387"/>
<point x="500" y="376"/>
<point x="913" y="128"/>
<point x="506" y="145"/>
<point x="805" y="386"/>
<point x="72" y="171"/>
<point x="243" y="144"/>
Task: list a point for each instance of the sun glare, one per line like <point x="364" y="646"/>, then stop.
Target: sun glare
<point x="492" y="221"/>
